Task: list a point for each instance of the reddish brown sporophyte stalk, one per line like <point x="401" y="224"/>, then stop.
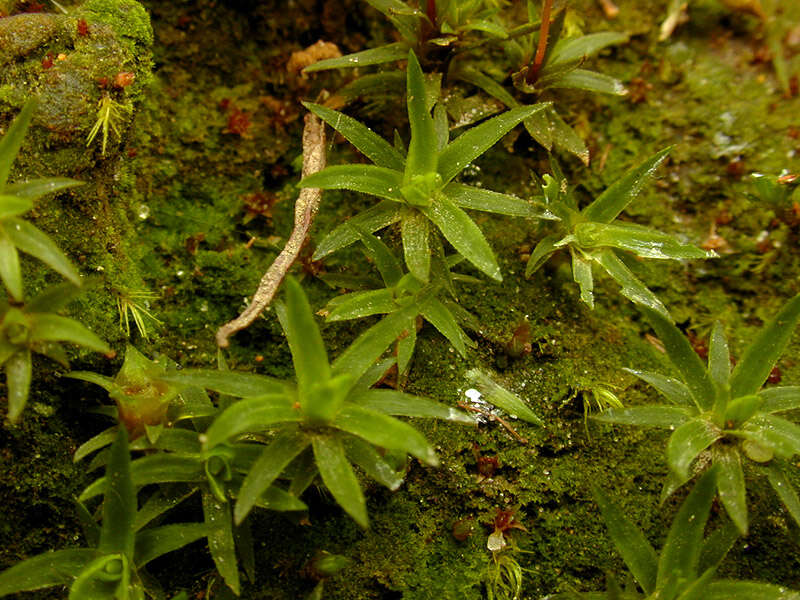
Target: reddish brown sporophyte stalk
<point x="536" y="65"/>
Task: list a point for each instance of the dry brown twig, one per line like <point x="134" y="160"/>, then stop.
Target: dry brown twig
<point x="304" y="211"/>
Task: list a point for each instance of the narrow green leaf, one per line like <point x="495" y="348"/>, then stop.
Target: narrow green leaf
<point x="369" y="143"/>
<point x="462" y="232"/>
<point x="367" y="179"/>
<point x="273" y="460"/>
<point x="646" y="416"/>
<point x="582" y="275"/>
<point x="18" y="381"/>
<point x="730" y="484"/>
<point x="365" y="456"/>
<point x="689" y="440"/>
<point x="581" y="79"/>
<point x="475" y="141"/>
<point x="416" y="250"/>
<point x="241" y="385"/>
<point x="309" y="356"/>
<point x="154" y="468"/>
<point x="155" y="542"/>
<point x="406" y="343"/>
<point x="685" y="359"/>
<point x="422" y="155"/>
<point x="443" y="320"/>
<point x="221" y="543"/>
<point x="672" y="389"/>
<point x="407" y="23"/>
<point x="101" y="440"/>
<point x="34" y="188"/>
<point x="160" y="502"/>
<point x="568" y="50"/>
<point x="388" y="266"/>
<point x="441" y="126"/>
<point x="613" y="201"/>
<point x="636" y="551"/>
<point x="339" y="478"/>
<point x="400" y="404"/>
<point x="365" y="58"/>
<point x="774" y="432"/>
<point x="107" y="576"/>
<point x="543" y="250"/>
<point x="31" y="240"/>
<point x="748" y="590"/>
<point x="473" y="198"/>
<point x="501" y="397"/>
<point x="119" y="502"/>
<point x="12" y="206"/>
<point x="253" y="415"/>
<point x="10" y="271"/>
<point x="376" y="217"/>
<point x="384" y="431"/>
<point x="47" y="327"/>
<point x="278" y="499"/>
<point x="361" y="304"/>
<point x="11" y="142"/>
<point x="763" y="352"/>
<point x="642" y="241"/>
<point x="786" y="492"/>
<point x="719" y="358"/>
<point x="243" y="536"/>
<point x="46" y="570"/>
<point x="53" y="298"/>
<point x="717" y="545"/>
<point x="780" y="399"/>
<point x="681" y="552"/>
<point x="632" y="288"/>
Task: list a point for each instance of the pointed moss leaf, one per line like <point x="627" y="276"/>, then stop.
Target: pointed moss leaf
<point x="388" y="266"/>
<point x="400" y="404"/>
<point x="34" y="188"/>
<point x="636" y="551"/>
<point x="365" y="58"/>
<point x="361" y="304"/>
<point x="582" y="274"/>
<point x="47" y="327"/>
<point x="613" y="201"/>
<point x="405" y="346"/>
<point x="422" y="154"/>
<point x="373" y="464"/>
<point x="369" y="346"/>
<point x="591" y="81"/>
<point x="53" y="298"/>
<point x="689" y="440"/>
<point x="717" y="545"/>
<point x="367" y="179"/>
<point x="417" y="252"/>
<point x="10" y="271"/>
<point x="119" y="502"/>
<point x="273" y="460"/>
<point x="748" y="590"/>
<point x="672" y="482"/>
<point x="543" y="250"/>
<point x="305" y="341"/>
<point x="463" y="234"/>
<point x="761" y="355"/>
<point x="325" y="398"/>
<point x="278" y="499"/>
<point x="473" y="198"/>
<point x="730" y="484"/>
<point x="29" y="239"/>
<point x="646" y="416"/>
<point x="11" y="142"/>
<point x="155" y="542"/>
<point x="684" y="358"/>
<point x="376" y="217"/>
<point x="362" y="137"/>
<point x="786" y="492"/>
<point x="475" y="141"/>
<point x="639" y="240"/>
<point x="12" y="206"/>
<point x="384" y="431"/>
<point x="339" y="478"/>
<point x="632" y="288"/>
<point x="18" y="381"/>
<point x="719" y="358"/>
<point x="739" y="410"/>
<point x="159" y="503"/>
<point x="241" y="385"/>
<point x="407" y="23"/>
<point x="585" y="46"/>
<point x="443" y="320"/>
<point x="46" y="570"/>
<point x="774" y="432"/>
<point x="101" y="440"/>
<point x="681" y="552"/>
<point x="672" y="389"/>
<point x="780" y="399"/>
<point x="155" y="468"/>
<point x="250" y="415"/>
<point x="221" y="543"/>
<point x="501" y="397"/>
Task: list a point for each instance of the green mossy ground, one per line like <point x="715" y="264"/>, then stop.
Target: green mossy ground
<point x="167" y="211"/>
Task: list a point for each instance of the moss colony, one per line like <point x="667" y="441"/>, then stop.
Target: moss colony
<point x="184" y="120"/>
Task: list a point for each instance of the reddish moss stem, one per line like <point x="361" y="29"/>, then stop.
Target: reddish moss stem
<point x="432" y="12"/>
<point x="536" y="65"/>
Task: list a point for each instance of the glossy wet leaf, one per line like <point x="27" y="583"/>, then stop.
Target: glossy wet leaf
<point x="119" y="501"/>
<point x="473" y="198"/>
<point x="368" y="179"/>
<point x="780" y="399"/>
<point x="376" y="217"/>
<point x="361" y="304"/>
<point x="31" y="240"/>
<point x="231" y="383"/>
<point x="443" y="320"/>
<point x="422" y="154"/>
<point x="221" y="543"/>
<point x="34" y="188"/>
<point x="648" y="416"/>
<point x="47" y="327"/>
<point x="365" y="58"/>
<point x="672" y="389"/>
<point x="590" y="81"/>
<point x="731" y="486"/>
<point x="157" y="541"/>
<point x="339" y="478"/>
<point x="251" y="414"/>
<point x="584" y="46"/>
<point x="632" y="287"/>
<point x="46" y="570"/>
<point x="639" y="240"/>
<point x="154" y="468"/>
<point x="11" y="142"/>
<point x="719" y="358"/>
<point x="687" y="441"/>
<point x="786" y="492"/>
<point x="416" y="249"/>
<point x="10" y="271"/>
<point x="365" y="456"/>
<point x="501" y="397"/>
